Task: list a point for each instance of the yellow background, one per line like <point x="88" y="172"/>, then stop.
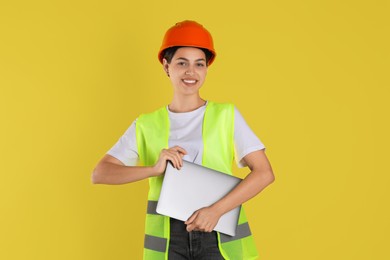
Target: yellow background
<point x="310" y="77"/>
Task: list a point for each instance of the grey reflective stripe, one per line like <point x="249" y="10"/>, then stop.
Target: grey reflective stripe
<point x="242" y="231"/>
<point x="152" y="205"/>
<point x="155" y="243"/>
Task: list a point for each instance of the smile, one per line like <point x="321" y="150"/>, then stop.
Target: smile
<point x="189" y="81"/>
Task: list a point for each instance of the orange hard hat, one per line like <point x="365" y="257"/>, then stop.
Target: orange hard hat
<point x="187" y="33"/>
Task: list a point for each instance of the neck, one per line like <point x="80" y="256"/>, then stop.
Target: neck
<point x="186" y="104"/>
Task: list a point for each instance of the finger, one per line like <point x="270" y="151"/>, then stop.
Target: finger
<point x="173" y="157"/>
<point x="176" y="157"/>
<point x="179" y="152"/>
<point x="179" y="158"/>
<point x="208" y="228"/>
<point x="180" y="149"/>
<point x="190" y="228"/>
<point x="192" y="218"/>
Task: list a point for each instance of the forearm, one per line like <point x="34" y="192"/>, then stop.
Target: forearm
<point x="110" y="173"/>
<point x="110" y="170"/>
<point x="249" y="187"/>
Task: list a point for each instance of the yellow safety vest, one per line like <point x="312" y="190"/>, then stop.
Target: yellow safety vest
<point x="152" y="132"/>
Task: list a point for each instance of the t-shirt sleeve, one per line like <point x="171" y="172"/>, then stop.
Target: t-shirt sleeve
<point x="125" y="150"/>
<point x="245" y="141"/>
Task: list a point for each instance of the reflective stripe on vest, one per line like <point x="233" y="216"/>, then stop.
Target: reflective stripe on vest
<point x="152" y="132"/>
<point x="241" y="232"/>
<point x="155" y="243"/>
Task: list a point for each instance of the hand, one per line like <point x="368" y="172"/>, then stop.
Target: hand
<point x="204" y="219"/>
<point x="174" y="155"/>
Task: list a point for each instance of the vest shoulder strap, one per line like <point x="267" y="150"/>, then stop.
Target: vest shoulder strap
<point x="218" y="137"/>
<point x="152" y="133"/>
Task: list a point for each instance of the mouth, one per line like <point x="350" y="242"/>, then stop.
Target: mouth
<point x="189" y="81"/>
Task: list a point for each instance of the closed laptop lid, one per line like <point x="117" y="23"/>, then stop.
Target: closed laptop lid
<point x="193" y="187"/>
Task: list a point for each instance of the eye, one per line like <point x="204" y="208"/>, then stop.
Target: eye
<point x="181" y="63"/>
<point x="200" y="64"/>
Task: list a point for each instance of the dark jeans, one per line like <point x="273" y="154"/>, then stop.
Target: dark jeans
<point x="192" y="245"/>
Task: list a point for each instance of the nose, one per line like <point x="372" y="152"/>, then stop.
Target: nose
<point x="190" y="71"/>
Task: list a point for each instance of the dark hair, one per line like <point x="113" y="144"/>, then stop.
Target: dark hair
<point x="170" y="52"/>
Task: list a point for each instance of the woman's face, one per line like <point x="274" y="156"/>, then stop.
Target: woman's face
<point x="187" y="70"/>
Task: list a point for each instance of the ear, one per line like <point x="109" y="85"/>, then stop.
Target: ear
<point x="165" y="63"/>
<point x="166" y="66"/>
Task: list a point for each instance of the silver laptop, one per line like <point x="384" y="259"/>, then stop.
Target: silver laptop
<point x="193" y="187"/>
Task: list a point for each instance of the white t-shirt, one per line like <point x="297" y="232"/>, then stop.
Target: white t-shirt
<point x="186" y="132"/>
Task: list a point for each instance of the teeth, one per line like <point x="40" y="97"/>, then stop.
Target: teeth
<point x="189" y="81"/>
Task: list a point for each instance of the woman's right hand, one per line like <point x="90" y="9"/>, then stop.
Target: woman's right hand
<point x="174" y="155"/>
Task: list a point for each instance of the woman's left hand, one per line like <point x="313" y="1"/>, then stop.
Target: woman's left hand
<point x="204" y="219"/>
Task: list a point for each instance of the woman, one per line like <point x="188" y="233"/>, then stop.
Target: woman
<point x="196" y="130"/>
